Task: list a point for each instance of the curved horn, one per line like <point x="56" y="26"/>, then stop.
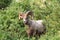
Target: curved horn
<point x="29" y="13"/>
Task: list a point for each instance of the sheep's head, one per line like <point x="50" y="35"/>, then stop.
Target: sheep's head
<point x="22" y="16"/>
<point x="25" y="16"/>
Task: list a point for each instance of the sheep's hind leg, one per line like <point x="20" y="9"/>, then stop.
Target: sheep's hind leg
<point x="29" y="33"/>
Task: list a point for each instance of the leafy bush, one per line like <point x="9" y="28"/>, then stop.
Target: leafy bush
<point x="4" y="3"/>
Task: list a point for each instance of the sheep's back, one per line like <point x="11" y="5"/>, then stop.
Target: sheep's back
<point x="37" y="25"/>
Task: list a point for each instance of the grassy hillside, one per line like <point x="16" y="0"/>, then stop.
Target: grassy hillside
<point x="11" y="28"/>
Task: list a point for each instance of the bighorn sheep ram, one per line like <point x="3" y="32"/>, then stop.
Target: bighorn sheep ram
<point x="35" y="26"/>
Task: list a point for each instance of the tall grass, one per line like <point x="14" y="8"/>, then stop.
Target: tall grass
<point x="11" y="28"/>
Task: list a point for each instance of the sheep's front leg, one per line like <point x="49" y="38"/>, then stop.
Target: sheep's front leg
<point x="34" y="32"/>
<point x="28" y="33"/>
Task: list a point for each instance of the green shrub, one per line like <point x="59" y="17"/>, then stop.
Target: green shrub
<point x="11" y="28"/>
<point x="4" y="3"/>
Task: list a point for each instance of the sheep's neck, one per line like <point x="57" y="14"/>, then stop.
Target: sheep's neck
<point x="29" y="22"/>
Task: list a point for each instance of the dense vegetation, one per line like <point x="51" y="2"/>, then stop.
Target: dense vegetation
<point x="4" y="3"/>
<point x="11" y="28"/>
